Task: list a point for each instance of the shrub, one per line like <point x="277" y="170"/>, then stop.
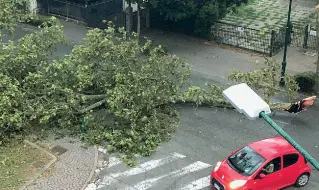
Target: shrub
<point x="39" y="20"/>
<point x="306" y="81"/>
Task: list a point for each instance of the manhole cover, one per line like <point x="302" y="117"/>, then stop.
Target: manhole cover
<point x="58" y="150"/>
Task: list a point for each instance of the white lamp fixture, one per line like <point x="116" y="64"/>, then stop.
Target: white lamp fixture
<point x="246" y="101"/>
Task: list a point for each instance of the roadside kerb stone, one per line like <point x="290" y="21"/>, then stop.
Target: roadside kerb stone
<point x="91" y="176"/>
<point x="53" y="159"/>
<point x="73" y="169"/>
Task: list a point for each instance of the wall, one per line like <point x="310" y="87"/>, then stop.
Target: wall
<point x="33" y="6"/>
<point x="134" y="6"/>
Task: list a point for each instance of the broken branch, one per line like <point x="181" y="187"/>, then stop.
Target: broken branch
<point x="91" y="107"/>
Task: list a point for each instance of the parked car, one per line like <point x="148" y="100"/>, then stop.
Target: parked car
<point x="268" y="164"/>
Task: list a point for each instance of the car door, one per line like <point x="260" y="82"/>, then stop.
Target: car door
<point x="291" y="168"/>
<point x="271" y="179"/>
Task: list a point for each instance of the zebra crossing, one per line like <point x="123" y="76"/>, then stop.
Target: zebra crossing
<point x="170" y="172"/>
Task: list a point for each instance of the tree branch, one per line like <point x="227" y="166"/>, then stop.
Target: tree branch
<point x="92" y="97"/>
<point x="95" y="105"/>
<point x="273" y="106"/>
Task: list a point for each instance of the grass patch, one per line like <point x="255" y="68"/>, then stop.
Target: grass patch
<point x="19" y="163"/>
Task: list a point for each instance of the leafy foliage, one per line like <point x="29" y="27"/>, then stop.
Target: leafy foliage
<point x="136" y="83"/>
<point x="266" y="80"/>
<point x="11" y="12"/>
<point x="241" y="9"/>
<point x="177" y="10"/>
<point x="139" y="89"/>
<point x="211" y="96"/>
<point x="291" y="87"/>
<point x="28" y="89"/>
<point x="191" y="16"/>
<point x="38" y="20"/>
<point x="125" y="89"/>
<point x="207" y="15"/>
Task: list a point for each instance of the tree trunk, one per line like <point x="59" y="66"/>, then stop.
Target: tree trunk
<point x="148" y="18"/>
<point x="317" y="68"/>
<point x="129" y="19"/>
<point x="138" y="19"/>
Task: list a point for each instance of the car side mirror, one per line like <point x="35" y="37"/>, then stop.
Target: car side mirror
<point x="262" y="176"/>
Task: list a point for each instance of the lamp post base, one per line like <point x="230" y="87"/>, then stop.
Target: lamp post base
<point x="282" y="82"/>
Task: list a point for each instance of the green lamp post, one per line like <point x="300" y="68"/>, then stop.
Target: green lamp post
<point x="246" y="101"/>
<point x="287" y="36"/>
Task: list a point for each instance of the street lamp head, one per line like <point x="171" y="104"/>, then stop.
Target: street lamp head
<point x="246" y="101"/>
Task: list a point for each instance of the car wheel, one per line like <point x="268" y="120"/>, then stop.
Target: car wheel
<point x="302" y="180"/>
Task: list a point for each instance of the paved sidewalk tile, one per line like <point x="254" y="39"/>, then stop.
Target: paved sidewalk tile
<point x="71" y="170"/>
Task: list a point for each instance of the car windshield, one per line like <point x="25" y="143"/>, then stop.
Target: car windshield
<point x="246" y="161"/>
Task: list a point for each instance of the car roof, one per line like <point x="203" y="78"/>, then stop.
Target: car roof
<point x="272" y="147"/>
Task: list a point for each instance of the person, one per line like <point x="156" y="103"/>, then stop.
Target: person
<point x="301" y="105"/>
<point x="269" y="168"/>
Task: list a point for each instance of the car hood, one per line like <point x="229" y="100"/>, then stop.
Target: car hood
<point x="225" y="174"/>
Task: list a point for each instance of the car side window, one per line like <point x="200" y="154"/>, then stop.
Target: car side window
<point x="272" y="166"/>
<point x="290" y="159"/>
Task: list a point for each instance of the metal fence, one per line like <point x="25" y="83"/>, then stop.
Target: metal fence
<point x="92" y="12"/>
<point x="304" y="37"/>
<point x="261" y="41"/>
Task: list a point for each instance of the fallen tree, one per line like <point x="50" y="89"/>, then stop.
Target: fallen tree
<point x="134" y="86"/>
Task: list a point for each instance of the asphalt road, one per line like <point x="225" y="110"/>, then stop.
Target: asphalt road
<point x="205" y="135"/>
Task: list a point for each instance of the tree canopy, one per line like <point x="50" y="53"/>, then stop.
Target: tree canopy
<point x="137" y="84"/>
<point x="11" y="12"/>
<point x="194" y="17"/>
<point x="126" y="90"/>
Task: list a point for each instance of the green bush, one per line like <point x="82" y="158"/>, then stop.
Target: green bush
<point x="39" y="20"/>
<point x="306" y="81"/>
<point x="193" y="17"/>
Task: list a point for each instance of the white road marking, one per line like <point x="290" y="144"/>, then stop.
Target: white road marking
<point x="107" y="179"/>
<point x="146" y="184"/>
<point x="113" y="161"/>
<point x="197" y="184"/>
<point x="144" y="167"/>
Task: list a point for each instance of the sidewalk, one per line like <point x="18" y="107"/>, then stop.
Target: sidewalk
<point x="209" y="57"/>
<point x="73" y="169"/>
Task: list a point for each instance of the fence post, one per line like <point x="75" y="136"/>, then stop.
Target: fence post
<point x="86" y="11"/>
<point x="306" y="36"/>
<point x="67" y="10"/>
<point x="272" y="41"/>
<point x="48" y="6"/>
<point x="82" y="126"/>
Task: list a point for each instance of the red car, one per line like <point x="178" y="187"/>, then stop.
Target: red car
<point x="268" y="164"/>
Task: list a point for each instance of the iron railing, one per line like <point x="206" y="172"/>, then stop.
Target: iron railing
<point x="304" y="36"/>
<point x="261" y="41"/>
<point x="90" y="11"/>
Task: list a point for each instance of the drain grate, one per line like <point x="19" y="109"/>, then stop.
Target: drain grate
<point x="58" y="150"/>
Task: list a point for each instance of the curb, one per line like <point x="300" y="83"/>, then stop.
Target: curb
<point x="54" y="158"/>
<point x="96" y="153"/>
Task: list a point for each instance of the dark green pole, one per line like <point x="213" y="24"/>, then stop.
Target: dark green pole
<point x="82" y="126"/>
<point x="290" y="140"/>
<point x="284" y="61"/>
